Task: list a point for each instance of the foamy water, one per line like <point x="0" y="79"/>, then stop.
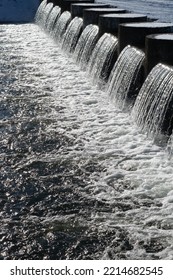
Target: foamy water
<point x="74" y="167"/>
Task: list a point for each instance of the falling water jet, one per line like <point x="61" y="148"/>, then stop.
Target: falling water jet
<point x="159" y="49"/>
<point x="86" y="44"/>
<point x="157" y="103"/>
<point x="72" y="34"/>
<point x="53" y="17"/>
<point x="153" y="109"/>
<point x="103" y="58"/>
<point x="46" y="12"/>
<point x="91" y="16"/>
<point x="126" y="77"/>
<point x="77" y="9"/>
<point x="109" y="23"/>
<point x="61" y="26"/>
<point x="40" y="10"/>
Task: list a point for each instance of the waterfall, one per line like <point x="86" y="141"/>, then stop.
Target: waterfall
<point x="123" y="76"/>
<point x="101" y="60"/>
<point x="61" y="26"/>
<point x="40" y="11"/>
<point x="45" y="14"/>
<point x="125" y="79"/>
<point x="52" y="18"/>
<point x="78" y="180"/>
<point x="72" y="34"/>
<point x="153" y="109"/>
<point x="86" y="44"/>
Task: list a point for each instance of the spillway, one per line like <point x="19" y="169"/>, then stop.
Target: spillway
<point x="82" y="178"/>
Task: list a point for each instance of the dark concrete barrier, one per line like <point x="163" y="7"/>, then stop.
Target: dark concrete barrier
<point x="55" y="2"/>
<point x="109" y="23"/>
<point x="134" y="33"/>
<point x="91" y="16"/>
<point x="159" y="48"/>
<point x="77" y="9"/>
<point x="66" y="4"/>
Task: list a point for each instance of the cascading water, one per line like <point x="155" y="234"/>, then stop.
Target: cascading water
<point x="78" y="180"/>
<point x="125" y="81"/>
<point x="153" y="109"/>
<point x="101" y="61"/>
<point x="53" y="17"/>
<point x="45" y="15"/>
<point x="72" y="34"/>
<point x="86" y="44"/>
<point x="40" y="11"/>
<point x="61" y="26"/>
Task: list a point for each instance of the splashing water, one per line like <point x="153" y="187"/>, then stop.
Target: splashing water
<point x="78" y="180"/>
<point x="101" y="61"/>
<point x="153" y="107"/>
<point x="76" y="174"/>
<point x="86" y="44"/>
<point x="72" y="34"/>
<point x="125" y="81"/>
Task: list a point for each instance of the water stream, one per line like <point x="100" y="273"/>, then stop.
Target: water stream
<point x="78" y="180"/>
<point x="52" y="19"/>
<point x="103" y="57"/>
<point x="72" y="34"/>
<point x="126" y="77"/>
<point x="153" y="107"/>
<point x="85" y="45"/>
<point x="61" y="26"/>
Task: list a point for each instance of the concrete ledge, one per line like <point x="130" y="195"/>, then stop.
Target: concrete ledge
<point x="110" y="22"/>
<point x="159" y="48"/>
<point x="77" y="9"/>
<point x="91" y="16"/>
<point x="134" y="33"/>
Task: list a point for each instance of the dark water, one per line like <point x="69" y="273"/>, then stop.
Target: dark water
<point x="158" y="9"/>
<point x="76" y="176"/>
<point x="37" y="183"/>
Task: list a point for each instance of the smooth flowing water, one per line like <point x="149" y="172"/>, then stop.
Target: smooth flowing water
<point x="157" y="9"/>
<point x="44" y="12"/>
<point x="103" y="57"/>
<point x="53" y="17"/>
<point x="86" y="44"/>
<point x="153" y="108"/>
<point x="41" y="8"/>
<point x="72" y="34"/>
<point x="61" y="26"/>
<point x="126" y="77"/>
<point x="78" y="180"/>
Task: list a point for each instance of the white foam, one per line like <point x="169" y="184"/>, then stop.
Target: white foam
<point x="135" y="172"/>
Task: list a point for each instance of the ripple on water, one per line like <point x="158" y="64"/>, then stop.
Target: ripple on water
<point x="78" y="180"/>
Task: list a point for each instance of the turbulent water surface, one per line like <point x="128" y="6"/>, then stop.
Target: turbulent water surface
<point x="78" y="180"/>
